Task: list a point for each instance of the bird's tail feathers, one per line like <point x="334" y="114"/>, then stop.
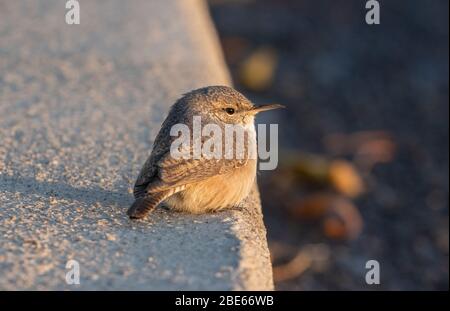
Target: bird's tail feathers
<point x="143" y="205"/>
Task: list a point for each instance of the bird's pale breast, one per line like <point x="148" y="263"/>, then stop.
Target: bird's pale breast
<point x="217" y="192"/>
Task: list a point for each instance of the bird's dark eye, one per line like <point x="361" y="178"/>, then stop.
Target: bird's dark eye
<point x="230" y="111"/>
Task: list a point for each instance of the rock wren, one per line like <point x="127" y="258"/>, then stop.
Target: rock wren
<point x="198" y="185"/>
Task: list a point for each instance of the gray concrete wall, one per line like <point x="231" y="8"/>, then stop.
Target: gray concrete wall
<point x="79" y="108"/>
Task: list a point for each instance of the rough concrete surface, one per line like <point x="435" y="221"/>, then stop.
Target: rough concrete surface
<point x="79" y="108"/>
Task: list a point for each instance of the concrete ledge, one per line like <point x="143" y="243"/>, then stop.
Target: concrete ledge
<point x="79" y="107"/>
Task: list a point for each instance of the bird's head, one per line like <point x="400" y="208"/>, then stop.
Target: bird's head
<point x="225" y="104"/>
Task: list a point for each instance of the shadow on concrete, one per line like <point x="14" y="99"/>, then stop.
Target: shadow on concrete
<point x="60" y="190"/>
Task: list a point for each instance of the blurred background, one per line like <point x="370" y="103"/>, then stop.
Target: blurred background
<point x="364" y="151"/>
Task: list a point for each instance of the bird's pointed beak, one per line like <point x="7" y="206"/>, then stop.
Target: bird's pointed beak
<point x="262" y="108"/>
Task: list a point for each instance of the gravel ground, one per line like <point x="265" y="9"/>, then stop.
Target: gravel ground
<point x="336" y="74"/>
<point x="79" y="107"/>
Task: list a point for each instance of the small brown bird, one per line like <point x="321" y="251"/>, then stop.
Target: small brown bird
<point x="199" y="185"/>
